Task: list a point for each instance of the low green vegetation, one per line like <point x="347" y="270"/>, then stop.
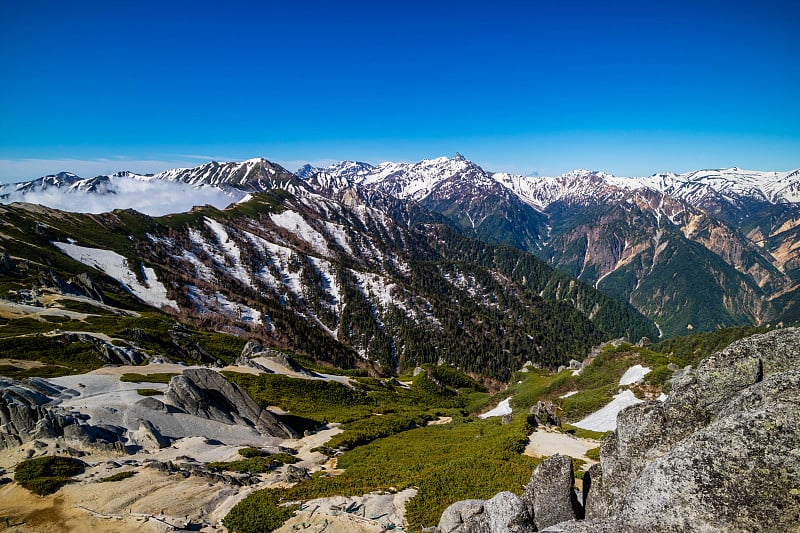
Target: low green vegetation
<point x="60" y="357"/>
<point x="258" y="464"/>
<point x="594" y="453"/>
<point x="467" y="458"/>
<point x="149" y="392"/>
<point x="157" y="377"/>
<point x="366" y="430"/>
<point x="119" y="476"/>
<point x="45" y="475"/>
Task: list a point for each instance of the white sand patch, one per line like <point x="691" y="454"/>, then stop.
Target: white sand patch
<point x="606" y="418"/>
<point x="503" y="408"/>
<point x="271" y="363"/>
<point x="13" y="310"/>
<point x="151" y="291"/>
<point x="547" y="443"/>
<point x="634" y="374"/>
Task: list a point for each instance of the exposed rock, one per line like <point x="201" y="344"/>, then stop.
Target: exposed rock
<point x="295" y="474"/>
<point x="549" y="495"/>
<point x="504" y="513"/>
<point x="149" y="437"/>
<point x="207" y="394"/>
<point x="251" y="348"/>
<point x="26" y="414"/>
<point x="85" y="285"/>
<point x="545" y="414"/>
<point x="156" y="405"/>
<point x="7" y="265"/>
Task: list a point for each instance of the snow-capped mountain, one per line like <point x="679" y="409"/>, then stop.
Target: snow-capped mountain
<point x="629" y="236"/>
<point x="735" y="234"/>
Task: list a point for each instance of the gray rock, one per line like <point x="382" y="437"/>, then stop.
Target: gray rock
<point x="463" y="517"/>
<point x="549" y="495"/>
<point x="207" y="394"/>
<point x="504" y="513"/>
<point x="507" y="513"/>
<point x="149" y="402"/>
<point x="149" y="437"/>
<point x="251" y="348"/>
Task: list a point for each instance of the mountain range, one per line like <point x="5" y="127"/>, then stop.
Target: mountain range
<point x="691" y="252"/>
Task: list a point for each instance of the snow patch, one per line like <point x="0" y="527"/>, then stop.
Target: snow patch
<point x="634" y="374"/>
<point x="296" y="224"/>
<point x="606" y="418"/>
<point x="570" y="393"/>
<point x="503" y="408"/>
<point x="151" y="291"/>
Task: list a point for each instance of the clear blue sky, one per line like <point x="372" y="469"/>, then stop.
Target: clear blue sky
<point x="627" y="87"/>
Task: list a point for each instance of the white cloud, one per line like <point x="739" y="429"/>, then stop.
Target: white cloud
<point x="16" y="170"/>
<point x="154" y="198"/>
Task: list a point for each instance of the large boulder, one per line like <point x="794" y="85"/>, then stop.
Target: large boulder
<point x="206" y="393"/>
<point x="504" y="513"/>
<point x="550" y="495"/>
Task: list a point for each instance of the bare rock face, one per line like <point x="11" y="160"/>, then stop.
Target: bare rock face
<point x="207" y="394"/>
<point x="27" y="413"/>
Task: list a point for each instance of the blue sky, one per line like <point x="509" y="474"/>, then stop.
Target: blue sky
<point x="630" y="88"/>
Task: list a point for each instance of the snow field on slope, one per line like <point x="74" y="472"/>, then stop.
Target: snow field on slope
<point x="230" y="250"/>
<point x="296" y="224"/>
<point x="605" y="419"/>
<point x="114" y="265"/>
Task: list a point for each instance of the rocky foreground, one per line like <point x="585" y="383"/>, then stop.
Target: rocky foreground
<point x="722" y="453"/>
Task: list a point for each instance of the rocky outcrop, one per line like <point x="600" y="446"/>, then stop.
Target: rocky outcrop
<point x="720" y="454"/>
<point x="113" y="354"/>
<point x="549" y="495"/>
<point x="26" y="414"/>
<point x="207" y="394"/>
<point x="504" y="513"/>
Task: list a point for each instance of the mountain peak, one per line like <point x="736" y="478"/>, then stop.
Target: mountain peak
<point x="458" y="157"/>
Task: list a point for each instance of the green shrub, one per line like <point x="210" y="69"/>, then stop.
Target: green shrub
<point x="119" y="476"/>
<point x="258" y="513"/>
<point x="162" y="377"/>
<point x="45" y="475"/>
<point x="255" y="465"/>
<point x="149" y="392"/>
<point x="587" y="401"/>
<point x="593" y="454"/>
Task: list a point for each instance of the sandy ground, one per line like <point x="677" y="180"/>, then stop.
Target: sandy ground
<point x="150" y="499"/>
<point x="14" y="310"/>
<point x="544" y="443"/>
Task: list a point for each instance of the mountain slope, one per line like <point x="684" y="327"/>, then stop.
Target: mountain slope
<point x="346" y="285"/>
